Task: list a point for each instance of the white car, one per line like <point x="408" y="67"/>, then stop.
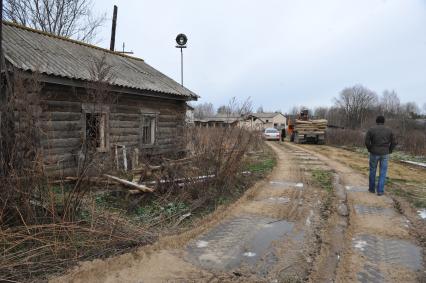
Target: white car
<point x="271" y="134"/>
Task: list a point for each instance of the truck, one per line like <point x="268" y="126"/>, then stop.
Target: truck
<point x="302" y="129"/>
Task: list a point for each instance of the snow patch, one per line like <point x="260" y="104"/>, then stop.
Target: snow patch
<point x="415" y="163"/>
<point x="422" y="213"/>
<point x="299" y="185"/>
<point x="249" y="254"/>
<point x="308" y="219"/>
<point x="202" y="244"/>
<point x="360" y="245"/>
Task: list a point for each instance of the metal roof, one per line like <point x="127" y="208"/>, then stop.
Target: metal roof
<point x="266" y="114"/>
<point x="32" y="50"/>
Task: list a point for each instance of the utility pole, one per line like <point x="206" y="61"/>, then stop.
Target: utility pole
<point x="181" y="40"/>
<point x="114" y="25"/>
<point x="1" y="49"/>
<point x="181" y="66"/>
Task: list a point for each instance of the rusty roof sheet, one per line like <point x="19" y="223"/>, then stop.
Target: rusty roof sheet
<point x="37" y="51"/>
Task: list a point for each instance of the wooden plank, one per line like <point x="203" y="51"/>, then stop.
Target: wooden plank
<point x="124" y="116"/>
<point x="61" y="116"/>
<point x="128" y="138"/>
<point x="62" y="134"/>
<point x="123" y="131"/>
<point x="61" y="125"/>
<point x="58" y="143"/>
<point x="61" y="106"/>
<point x="127" y="109"/>
<point x="130" y="184"/>
<point x="168" y="124"/>
<point x="124" y="124"/>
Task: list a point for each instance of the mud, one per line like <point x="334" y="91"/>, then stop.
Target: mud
<point x="286" y="230"/>
<point x="380" y="243"/>
<point x="268" y="235"/>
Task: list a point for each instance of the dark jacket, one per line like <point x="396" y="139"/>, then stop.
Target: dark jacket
<point x="380" y="140"/>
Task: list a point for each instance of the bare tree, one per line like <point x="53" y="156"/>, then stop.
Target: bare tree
<point x="356" y="102"/>
<point x="224" y="109"/>
<point x="203" y="110"/>
<point x="260" y="109"/>
<point x="410" y="109"/>
<point x="321" y="112"/>
<point x="389" y="103"/>
<point x="68" y="18"/>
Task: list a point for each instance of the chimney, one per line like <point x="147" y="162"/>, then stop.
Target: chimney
<point x="114" y="25"/>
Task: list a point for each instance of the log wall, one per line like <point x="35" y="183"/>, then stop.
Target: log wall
<point x="62" y="123"/>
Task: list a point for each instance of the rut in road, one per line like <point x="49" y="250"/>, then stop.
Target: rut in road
<point x="276" y="233"/>
<point x="269" y="235"/>
<point x="379" y="245"/>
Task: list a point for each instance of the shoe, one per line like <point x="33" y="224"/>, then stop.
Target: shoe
<point x="373" y="192"/>
<point x="380" y="194"/>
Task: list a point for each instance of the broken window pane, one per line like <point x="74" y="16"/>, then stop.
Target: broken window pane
<point x="95" y="130"/>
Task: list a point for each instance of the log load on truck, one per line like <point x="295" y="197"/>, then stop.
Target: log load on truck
<point x="304" y="130"/>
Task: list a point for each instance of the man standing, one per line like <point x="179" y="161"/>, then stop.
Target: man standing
<point x="380" y="142"/>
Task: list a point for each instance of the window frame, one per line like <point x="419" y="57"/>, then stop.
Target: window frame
<point x="104" y="111"/>
<point x="153" y="117"/>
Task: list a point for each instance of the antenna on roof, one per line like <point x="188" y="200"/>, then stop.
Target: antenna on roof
<point x="114" y="25"/>
<point x="125" y="52"/>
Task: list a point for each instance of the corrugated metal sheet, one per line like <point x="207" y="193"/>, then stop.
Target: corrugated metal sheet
<point x="266" y="114"/>
<point x="32" y="50"/>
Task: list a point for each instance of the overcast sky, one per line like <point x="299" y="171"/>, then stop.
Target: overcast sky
<point x="280" y="53"/>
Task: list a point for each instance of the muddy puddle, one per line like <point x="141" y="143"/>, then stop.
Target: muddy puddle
<point x="286" y="184"/>
<point x="356" y="188"/>
<point x="246" y="240"/>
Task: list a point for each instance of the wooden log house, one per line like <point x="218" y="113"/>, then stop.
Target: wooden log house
<point x="145" y="113"/>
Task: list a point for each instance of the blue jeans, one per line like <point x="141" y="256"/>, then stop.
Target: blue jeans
<point x="374" y="159"/>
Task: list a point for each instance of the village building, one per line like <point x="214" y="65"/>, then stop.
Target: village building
<point x="144" y="111"/>
<point x="220" y="120"/>
<point x="254" y="122"/>
<point x="275" y="120"/>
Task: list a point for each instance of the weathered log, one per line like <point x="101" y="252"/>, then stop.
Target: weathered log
<point x="129" y="184"/>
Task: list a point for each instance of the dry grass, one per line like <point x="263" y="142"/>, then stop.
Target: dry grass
<point x="412" y="142"/>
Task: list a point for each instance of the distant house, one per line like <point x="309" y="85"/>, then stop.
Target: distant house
<point x="219" y="121"/>
<point x="147" y="111"/>
<point x="271" y="119"/>
<point x="255" y="121"/>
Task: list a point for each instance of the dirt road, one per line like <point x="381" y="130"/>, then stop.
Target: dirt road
<point x="284" y="229"/>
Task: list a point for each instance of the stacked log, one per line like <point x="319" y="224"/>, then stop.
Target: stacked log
<point x="316" y="126"/>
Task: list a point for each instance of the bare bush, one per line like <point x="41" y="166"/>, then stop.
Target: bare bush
<point x="44" y="223"/>
<point x="345" y="137"/>
<point x="414" y="142"/>
<point x="23" y="183"/>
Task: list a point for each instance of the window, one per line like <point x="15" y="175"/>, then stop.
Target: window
<point x="95" y="130"/>
<point x="267" y="121"/>
<point x="275" y="125"/>
<point x="148" y="129"/>
<point x="96" y="127"/>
